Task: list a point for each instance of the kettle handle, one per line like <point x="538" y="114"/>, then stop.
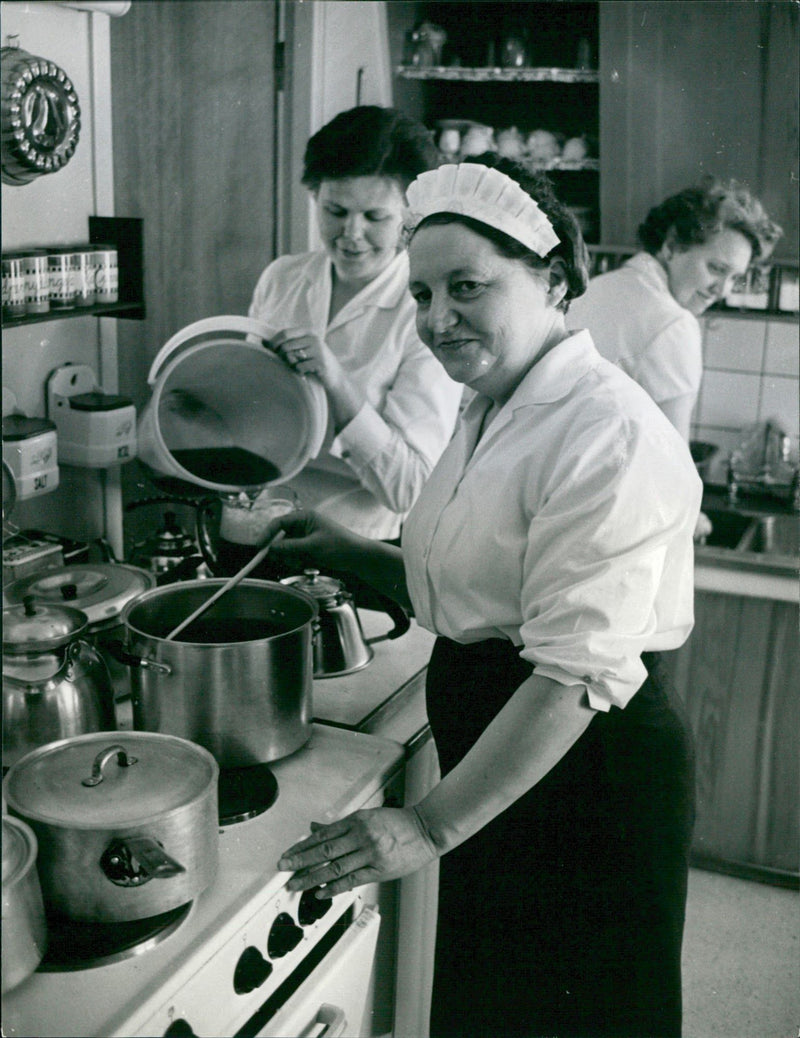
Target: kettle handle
<point x="229" y="323"/>
<point x="367" y="597"/>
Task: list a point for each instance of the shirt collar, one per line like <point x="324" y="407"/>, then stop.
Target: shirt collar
<point x="649" y="268"/>
<point x="550" y="378"/>
<point x="385" y="292"/>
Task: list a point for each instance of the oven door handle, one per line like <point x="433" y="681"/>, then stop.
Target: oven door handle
<point x="331" y="1022"/>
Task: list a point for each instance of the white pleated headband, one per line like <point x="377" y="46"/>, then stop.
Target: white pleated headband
<point x="485" y="194"/>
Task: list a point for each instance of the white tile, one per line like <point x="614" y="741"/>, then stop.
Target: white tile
<point x="734" y="344"/>
<point x="782" y="356"/>
<point x="729" y="399"/>
<point x="779" y="399"/>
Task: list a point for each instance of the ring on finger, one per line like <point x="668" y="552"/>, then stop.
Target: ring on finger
<point x="301" y="355"/>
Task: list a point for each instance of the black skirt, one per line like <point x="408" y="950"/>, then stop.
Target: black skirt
<point x="564" y="916"/>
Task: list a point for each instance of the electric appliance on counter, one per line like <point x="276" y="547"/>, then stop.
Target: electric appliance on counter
<point x="247" y="957"/>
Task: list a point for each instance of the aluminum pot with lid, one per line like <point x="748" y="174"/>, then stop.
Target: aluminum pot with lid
<point x="126" y="823"/>
<point x="24" y="924"/>
<point x="101" y="590"/>
<point x="339" y="644"/>
<point x="238" y="680"/>
<point x="55" y="684"/>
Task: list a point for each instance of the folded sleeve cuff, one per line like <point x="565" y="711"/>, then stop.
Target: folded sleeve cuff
<point x="602" y="693"/>
<point x="362" y="438"/>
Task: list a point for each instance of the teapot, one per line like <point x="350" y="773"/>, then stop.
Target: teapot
<point x="338" y="646"/>
<point x="55" y="684"/>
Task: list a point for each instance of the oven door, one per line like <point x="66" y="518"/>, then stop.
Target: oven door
<point x="332" y="1000"/>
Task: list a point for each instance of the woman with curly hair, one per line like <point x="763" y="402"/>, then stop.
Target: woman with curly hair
<point x="643" y="316"/>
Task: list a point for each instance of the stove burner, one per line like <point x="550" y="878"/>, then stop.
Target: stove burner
<point x="245" y="792"/>
<point x="73" y="945"/>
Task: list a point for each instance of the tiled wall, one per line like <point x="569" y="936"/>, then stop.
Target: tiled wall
<point x="751" y="373"/>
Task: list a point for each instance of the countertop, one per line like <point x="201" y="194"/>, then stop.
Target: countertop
<point x="750" y="574"/>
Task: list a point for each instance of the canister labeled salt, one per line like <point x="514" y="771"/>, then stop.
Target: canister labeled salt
<point x="106" y="274"/>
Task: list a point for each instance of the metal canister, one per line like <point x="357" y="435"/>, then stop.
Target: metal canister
<point x="13" y="284"/>
<point x="61" y="267"/>
<point x="37" y="282"/>
<point x="83" y="272"/>
<point x="106" y="273"/>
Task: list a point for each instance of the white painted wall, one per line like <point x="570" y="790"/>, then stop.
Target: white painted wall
<point x="54" y="210"/>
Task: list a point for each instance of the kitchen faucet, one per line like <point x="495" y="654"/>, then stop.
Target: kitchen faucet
<point x="761" y="464"/>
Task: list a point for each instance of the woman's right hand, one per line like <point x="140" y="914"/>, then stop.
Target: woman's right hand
<point x="312" y="539"/>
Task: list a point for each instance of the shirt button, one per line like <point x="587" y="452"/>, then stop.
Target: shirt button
<point x="345" y="454"/>
<point x="587" y="679"/>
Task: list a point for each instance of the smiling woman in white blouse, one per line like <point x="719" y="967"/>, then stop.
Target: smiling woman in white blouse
<point x="551" y="553"/>
<point x="344" y="315"/>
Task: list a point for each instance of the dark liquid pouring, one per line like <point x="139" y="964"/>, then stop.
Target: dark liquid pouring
<point x="227" y="466"/>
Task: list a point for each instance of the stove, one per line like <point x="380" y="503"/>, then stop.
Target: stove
<point x="244" y="943"/>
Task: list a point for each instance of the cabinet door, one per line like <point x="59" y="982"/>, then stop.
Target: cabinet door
<point x="737" y="675"/>
<point x="680" y="97"/>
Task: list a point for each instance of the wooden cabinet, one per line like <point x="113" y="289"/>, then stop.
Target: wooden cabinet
<point x="737" y="675"/>
<point x="555" y="87"/>
<point x="692" y="88"/>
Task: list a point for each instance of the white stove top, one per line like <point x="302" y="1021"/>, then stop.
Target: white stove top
<point x="335" y="773"/>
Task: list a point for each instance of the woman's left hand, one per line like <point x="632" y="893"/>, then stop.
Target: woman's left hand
<point x="307" y="354"/>
<point x="369" y="846"/>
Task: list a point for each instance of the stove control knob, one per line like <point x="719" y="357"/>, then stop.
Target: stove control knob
<point x="283" y="937"/>
<point x="311" y="907"/>
<point x="251" y="971"/>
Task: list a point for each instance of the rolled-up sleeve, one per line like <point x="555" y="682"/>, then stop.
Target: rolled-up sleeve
<point x="606" y="564"/>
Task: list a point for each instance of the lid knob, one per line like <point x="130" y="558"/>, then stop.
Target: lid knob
<point x="29" y="601"/>
<point x="69" y="592"/>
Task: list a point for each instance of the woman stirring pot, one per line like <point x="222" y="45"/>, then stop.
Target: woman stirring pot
<point x="551" y="552"/>
<point x="344" y="315"/>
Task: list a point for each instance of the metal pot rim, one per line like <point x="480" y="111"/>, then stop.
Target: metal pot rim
<point x="212" y="584"/>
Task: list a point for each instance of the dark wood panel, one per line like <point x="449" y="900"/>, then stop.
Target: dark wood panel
<point x="737" y="674"/>
<point x="695" y="87"/>
<point x="193" y="100"/>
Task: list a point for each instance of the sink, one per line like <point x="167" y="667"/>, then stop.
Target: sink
<point x="728" y="528"/>
<point x="772" y="535"/>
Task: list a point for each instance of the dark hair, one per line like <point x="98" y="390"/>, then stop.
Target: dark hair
<point x="696" y="213"/>
<point x="571" y="247"/>
<point x="369" y="141"/>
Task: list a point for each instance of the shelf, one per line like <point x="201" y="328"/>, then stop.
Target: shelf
<point x="119" y="310"/>
<point x="500" y="75"/>
<point x="126" y="233"/>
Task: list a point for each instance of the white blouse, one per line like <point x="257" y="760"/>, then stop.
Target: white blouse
<point x="369" y="475"/>
<point x="637" y="323"/>
<point x="566" y="528"/>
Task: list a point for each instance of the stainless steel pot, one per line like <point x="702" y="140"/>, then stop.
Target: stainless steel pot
<point x="24" y="925"/>
<point x="101" y="590"/>
<point x="126" y="827"/>
<point x="339" y="644"/>
<point x="238" y="681"/>
<point x="55" y="684"/>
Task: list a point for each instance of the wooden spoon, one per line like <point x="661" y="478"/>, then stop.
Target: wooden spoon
<point x="234" y="580"/>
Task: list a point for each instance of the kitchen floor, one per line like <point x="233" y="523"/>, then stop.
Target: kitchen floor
<point x="741" y="959"/>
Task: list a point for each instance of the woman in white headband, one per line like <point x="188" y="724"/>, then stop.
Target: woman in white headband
<point x="551" y="552"/>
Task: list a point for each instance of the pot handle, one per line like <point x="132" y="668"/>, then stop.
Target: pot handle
<point x="121" y="655"/>
<point x="124" y="759"/>
<point x="136" y="860"/>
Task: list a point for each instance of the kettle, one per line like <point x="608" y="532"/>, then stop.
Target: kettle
<point x="55" y="684"/>
<point x="338" y="646"/>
